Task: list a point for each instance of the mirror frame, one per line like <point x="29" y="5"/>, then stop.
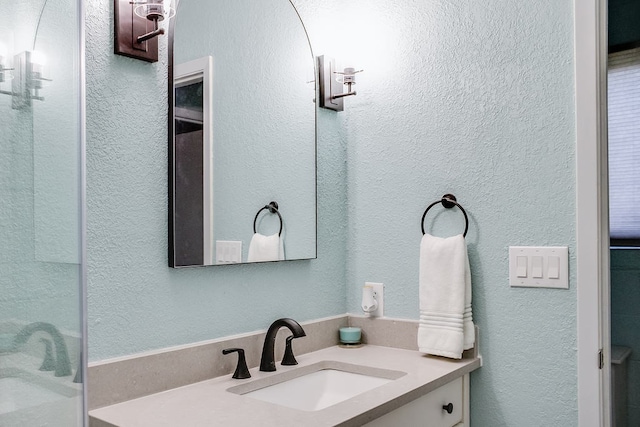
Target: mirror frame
<point x="171" y="148"/>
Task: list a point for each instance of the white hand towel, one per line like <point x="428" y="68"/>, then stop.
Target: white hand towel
<point x="265" y="248"/>
<point x="446" y="323"/>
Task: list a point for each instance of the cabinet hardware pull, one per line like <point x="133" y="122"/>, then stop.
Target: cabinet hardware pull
<point x="448" y="408"/>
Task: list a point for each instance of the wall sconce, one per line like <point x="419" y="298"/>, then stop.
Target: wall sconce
<point x="136" y="27"/>
<point x="332" y="83"/>
<point x="27" y="79"/>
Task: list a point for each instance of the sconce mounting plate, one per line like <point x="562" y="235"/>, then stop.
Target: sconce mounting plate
<point x="329" y="86"/>
<point x="128" y="26"/>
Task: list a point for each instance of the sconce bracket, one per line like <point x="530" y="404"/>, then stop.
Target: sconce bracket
<point x="330" y="88"/>
<point x="128" y="26"/>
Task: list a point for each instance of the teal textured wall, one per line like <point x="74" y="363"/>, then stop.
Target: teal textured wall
<point x="136" y="302"/>
<point x="471" y="98"/>
<point x="476" y="99"/>
<point x="624" y="16"/>
<point x="625" y="318"/>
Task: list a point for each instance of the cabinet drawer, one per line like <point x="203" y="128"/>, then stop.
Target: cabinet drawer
<point x="427" y="410"/>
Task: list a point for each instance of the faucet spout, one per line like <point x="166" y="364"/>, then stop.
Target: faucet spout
<point x="63" y="364"/>
<point x="267" y="362"/>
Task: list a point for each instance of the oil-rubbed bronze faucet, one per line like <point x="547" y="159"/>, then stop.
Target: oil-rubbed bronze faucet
<point x="267" y="362"/>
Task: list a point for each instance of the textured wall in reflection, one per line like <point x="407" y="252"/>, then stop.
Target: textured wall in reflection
<point x="39" y="164"/>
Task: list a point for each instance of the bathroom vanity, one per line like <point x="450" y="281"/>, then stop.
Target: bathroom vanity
<point x="418" y="389"/>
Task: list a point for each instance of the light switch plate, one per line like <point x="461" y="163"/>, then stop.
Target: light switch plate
<point x="228" y="251"/>
<point x="555" y="266"/>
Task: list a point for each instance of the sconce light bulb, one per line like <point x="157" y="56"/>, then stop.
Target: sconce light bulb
<point x="154" y="10"/>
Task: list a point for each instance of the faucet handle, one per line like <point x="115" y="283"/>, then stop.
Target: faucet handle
<point x="242" y="371"/>
<point x="289" y="359"/>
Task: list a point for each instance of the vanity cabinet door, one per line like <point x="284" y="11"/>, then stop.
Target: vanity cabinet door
<point x="428" y="410"/>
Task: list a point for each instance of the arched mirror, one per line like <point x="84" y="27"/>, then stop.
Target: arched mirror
<point x="242" y="134"/>
<point x="56" y="139"/>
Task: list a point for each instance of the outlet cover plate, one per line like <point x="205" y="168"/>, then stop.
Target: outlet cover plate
<point x="378" y="290"/>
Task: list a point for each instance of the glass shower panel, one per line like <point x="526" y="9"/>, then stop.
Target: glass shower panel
<point x="41" y="280"/>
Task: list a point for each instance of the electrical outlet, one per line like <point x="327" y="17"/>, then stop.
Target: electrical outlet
<point x="378" y="291"/>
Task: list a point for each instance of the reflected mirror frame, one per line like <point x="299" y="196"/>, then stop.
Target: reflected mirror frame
<point x="171" y="145"/>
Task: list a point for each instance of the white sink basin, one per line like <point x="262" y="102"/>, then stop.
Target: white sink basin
<point x="318" y="386"/>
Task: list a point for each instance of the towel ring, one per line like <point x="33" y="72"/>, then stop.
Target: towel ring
<point x="273" y="208"/>
<point x="448" y="201"/>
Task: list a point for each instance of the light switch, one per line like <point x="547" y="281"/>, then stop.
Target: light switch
<point x="554" y="267"/>
<point x="228" y="252"/>
<point x="536" y="267"/>
<point x="521" y="266"/>
<point x="539" y="266"/>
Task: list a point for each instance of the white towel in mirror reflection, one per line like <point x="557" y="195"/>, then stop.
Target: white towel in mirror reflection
<point x="265" y="248"/>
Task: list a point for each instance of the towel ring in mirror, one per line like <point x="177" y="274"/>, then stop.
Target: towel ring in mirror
<point x="273" y="208"/>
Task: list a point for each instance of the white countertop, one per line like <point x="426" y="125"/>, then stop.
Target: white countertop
<point x="209" y="403"/>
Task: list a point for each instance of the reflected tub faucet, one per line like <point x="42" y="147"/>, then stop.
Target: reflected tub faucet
<point x="267" y="362"/>
<point x="62" y="364"/>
